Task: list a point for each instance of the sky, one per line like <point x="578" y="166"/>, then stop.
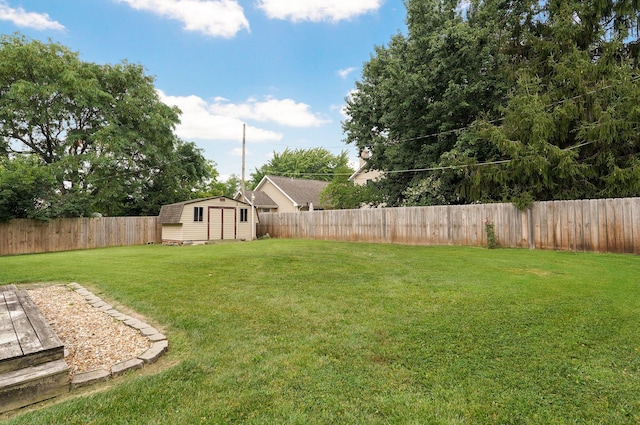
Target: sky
<point x="282" y="68"/>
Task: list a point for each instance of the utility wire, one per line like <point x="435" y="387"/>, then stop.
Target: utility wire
<point x="559" y="102"/>
<point x="408" y="139"/>
<point x="440" y="168"/>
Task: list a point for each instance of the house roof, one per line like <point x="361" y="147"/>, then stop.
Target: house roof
<point x="171" y="213"/>
<point x="364" y="166"/>
<point x="300" y="191"/>
<point x="359" y="171"/>
<point x="262" y="200"/>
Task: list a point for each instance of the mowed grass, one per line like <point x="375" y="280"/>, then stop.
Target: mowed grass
<point x="310" y="332"/>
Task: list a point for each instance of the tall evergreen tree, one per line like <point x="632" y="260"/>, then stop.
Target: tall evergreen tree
<point x="570" y="124"/>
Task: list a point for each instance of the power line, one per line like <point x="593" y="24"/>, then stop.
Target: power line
<point x="412" y="170"/>
<point x="450" y="167"/>
<point x="559" y="102"/>
<point x="439" y="168"/>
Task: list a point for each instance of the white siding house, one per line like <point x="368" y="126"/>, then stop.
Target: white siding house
<point x="363" y="174"/>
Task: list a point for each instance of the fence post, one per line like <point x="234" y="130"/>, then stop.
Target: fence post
<point x="532" y="234"/>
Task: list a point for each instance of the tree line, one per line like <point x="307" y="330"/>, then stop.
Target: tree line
<point x="479" y="101"/>
<point x="79" y="138"/>
<point x="83" y="139"/>
<point x="503" y="100"/>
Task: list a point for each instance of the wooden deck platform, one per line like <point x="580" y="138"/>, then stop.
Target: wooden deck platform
<point x="32" y="366"/>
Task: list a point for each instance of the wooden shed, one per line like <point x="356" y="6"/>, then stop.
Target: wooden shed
<point x="205" y="219"/>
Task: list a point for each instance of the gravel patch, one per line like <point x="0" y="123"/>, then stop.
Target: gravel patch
<point x="92" y="338"/>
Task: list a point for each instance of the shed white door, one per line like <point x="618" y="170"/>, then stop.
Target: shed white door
<point x="222" y="223"/>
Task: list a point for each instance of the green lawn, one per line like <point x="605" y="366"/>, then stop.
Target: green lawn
<point x="308" y="332"/>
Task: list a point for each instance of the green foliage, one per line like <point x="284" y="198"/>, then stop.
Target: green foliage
<point x="25" y="187"/>
<point x="314" y="163"/>
<point x="504" y="101"/>
<point x="569" y="125"/>
<point x="102" y="128"/>
<point x="490" y="230"/>
<point x="213" y="187"/>
<point x="342" y="193"/>
<point x="414" y="92"/>
<point x="232" y="186"/>
<point x="353" y="333"/>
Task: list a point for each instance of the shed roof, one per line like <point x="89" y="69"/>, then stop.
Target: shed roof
<point x="171" y="213"/>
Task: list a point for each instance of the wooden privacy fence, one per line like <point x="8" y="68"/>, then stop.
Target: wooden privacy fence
<point x="32" y="236"/>
<point x="599" y="225"/>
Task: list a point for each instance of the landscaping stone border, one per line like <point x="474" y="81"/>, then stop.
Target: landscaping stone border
<point x="159" y="343"/>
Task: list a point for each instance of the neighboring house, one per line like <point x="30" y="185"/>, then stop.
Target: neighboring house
<point x="261" y="201"/>
<point x="290" y="195"/>
<point x="363" y="174"/>
<point x="201" y="220"/>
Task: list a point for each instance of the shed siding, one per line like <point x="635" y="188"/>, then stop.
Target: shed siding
<point x="284" y="204"/>
<point x="172" y="232"/>
<point x="194" y="230"/>
<point x="244" y="229"/>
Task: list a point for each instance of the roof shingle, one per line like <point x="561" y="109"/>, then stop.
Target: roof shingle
<point x="302" y="191"/>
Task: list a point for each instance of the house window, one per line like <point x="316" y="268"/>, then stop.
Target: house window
<point x="244" y="214"/>
<point x="198" y="213"/>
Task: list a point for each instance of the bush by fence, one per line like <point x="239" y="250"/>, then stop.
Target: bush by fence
<point x="599" y="225"/>
<point x="31" y="236"/>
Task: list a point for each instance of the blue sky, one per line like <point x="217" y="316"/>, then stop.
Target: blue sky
<point x="282" y="67"/>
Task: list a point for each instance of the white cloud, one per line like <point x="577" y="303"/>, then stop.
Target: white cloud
<point x="218" y="18"/>
<point x="199" y="122"/>
<point x="238" y="152"/>
<point x="344" y="73"/>
<point x="343" y="107"/>
<point x="284" y="112"/>
<point x="22" y="18"/>
<point x="317" y="10"/>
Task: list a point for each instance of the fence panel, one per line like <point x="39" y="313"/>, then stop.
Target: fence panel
<point x="31" y="236"/>
<point x="599" y="225"/>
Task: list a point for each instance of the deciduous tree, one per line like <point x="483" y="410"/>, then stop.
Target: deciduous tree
<point x="342" y="193"/>
<point x="102" y="129"/>
<point x="416" y="91"/>
<point x="314" y="163"/>
<point x="26" y="188"/>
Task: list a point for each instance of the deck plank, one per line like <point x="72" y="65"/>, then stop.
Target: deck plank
<point x="9" y="345"/>
<point x="27" y="337"/>
<point x="48" y="339"/>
